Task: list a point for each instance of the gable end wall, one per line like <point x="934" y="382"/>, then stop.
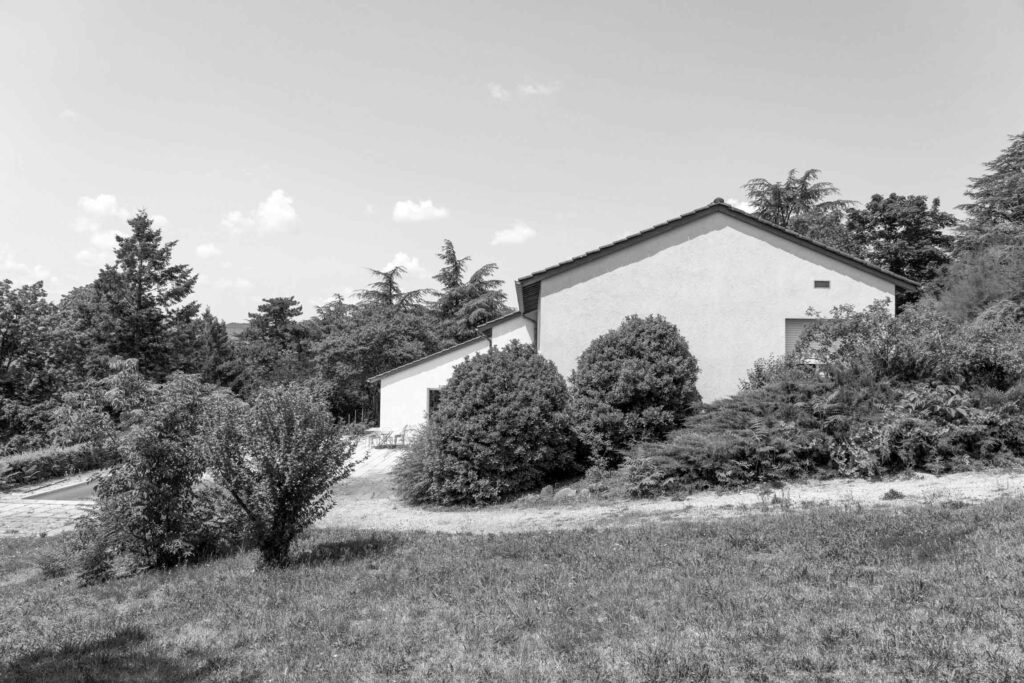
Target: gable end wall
<point x="727" y="285"/>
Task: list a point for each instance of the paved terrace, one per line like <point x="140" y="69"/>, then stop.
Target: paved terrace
<point x="22" y="514"/>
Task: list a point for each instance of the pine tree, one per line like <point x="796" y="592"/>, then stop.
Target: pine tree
<point x="999" y="194"/>
<point x="142" y="295"/>
<point x="385" y="290"/>
<point x="462" y="304"/>
<point x="215" y="353"/>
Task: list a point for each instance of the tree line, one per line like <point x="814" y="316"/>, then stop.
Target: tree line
<point x="139" y="306"/>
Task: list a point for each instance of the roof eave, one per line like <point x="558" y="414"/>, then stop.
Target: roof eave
<point x="424" y="359"/>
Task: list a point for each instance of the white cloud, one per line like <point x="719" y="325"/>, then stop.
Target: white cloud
<point x="236" y="221"/>
<point x="412" y="212"/>
<point x="368" y="210"/>
<point x="524" y="89"/>
<point x="107" y="239"/>
<point x="103" y="218"/>
<point x="21" y="273"/>
<point x="69" y="114"/>
<point x="410" y="263"/>
<point x="232" y="283"/>
<point x="207" y="250"/>
<point x="532" y="89"/>
<point x="740" y="204"/>
<point x="517" y="234"/>
<point x="276" y="213"/>
<point x="498" y="92"/>
<point x="103" y="205"/>
<point x="91" y="257"/>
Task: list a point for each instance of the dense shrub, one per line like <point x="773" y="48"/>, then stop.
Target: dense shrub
<point x="500" y="428"/>
<point x="915" y="392"/>
<point x="759" y="438"/>
<point x="147" y="503"/>
<point x="920" y="344"/>
<point x="636" y="382"/>
<point x="278" y="460"/>
<point x="152" y="509"/>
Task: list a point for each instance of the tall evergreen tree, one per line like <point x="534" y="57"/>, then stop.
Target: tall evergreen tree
<point x="462" y="303"/>
<point x="999" y="194"/>
<point x="385" y="290"/>
<point x="215" y="352"/>
<point x="803" y="204"/>
<point x="797" y="201"/>
<point x="275" y="321"/>
<point x="276" y="347"/>
<point x="142" y="297"/>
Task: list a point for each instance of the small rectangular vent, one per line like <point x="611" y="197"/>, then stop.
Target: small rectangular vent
<point x="822" y="284"/>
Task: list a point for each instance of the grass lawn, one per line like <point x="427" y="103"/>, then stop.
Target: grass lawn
<point x="925" y="593"/>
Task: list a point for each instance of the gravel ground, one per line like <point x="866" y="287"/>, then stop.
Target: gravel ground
<point x="366" y="501"/>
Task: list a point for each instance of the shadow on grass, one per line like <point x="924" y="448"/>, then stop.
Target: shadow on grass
<point x="367" y="546"/>
<point x="124" y="656"/>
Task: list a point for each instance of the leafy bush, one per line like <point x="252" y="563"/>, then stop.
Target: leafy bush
<point x="146" y="505"/>
<point x="500" y="428"/>
<point x="634" y="383"/>
<point x="152" y="508"/>
<point x="278" y="460"/>
<point x="920" y="344"/>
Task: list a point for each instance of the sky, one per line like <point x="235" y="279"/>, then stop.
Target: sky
<point x="290" y="146"/>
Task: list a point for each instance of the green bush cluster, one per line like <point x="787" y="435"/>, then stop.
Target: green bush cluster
<point x="501" y="428"/>
<point x="889" y="394"/>
<point x="277" y="459"/>
<point x="200" y="472"/>
<point x="636" y="382"/>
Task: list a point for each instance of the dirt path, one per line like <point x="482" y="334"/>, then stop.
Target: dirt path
<point x="367" y="501"/>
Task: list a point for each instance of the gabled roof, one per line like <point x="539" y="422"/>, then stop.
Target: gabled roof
<point x="463" y="345"/>
<point x="528" y="288"/>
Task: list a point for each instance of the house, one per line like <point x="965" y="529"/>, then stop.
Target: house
<point x="738" y="288"/>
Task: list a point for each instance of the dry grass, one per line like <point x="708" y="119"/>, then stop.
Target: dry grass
<point x="921" y="593"/>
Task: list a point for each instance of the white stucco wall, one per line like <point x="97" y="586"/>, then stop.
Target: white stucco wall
<point x="727" y="285"/>
<point x="403" y="395"/>
<point x="518" y="328"/>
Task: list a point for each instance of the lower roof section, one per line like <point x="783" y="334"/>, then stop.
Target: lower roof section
<point x="464" y="346"/>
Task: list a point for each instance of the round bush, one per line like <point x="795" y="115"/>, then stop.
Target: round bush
<point x="500" y="428"/>
<point x="634" y="383"/>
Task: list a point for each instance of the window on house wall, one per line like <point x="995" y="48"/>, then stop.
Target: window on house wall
<point x="822" y="284"/>
<point x="794" y="329"/>
<point x="433" y="398"/>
